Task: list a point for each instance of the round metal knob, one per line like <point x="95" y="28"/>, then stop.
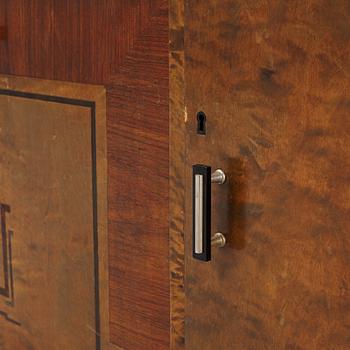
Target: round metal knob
<point x="218" y="240"/>
<point x="218" y="177"/>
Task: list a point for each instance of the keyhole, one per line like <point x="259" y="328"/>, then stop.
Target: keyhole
<point x="201" y="121"/>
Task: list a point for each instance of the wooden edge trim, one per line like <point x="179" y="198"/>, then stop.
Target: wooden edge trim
<point x="177" y="176"/>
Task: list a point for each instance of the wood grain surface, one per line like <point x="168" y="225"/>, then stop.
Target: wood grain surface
<point x="273" y="79"/>
<point x="2" y="33"/>
<point x="53" y="171"/>
<point x="177" y="174"/>
<point x="124" y="46"/>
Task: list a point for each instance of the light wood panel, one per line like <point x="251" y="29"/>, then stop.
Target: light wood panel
<point x="53" y="171"/>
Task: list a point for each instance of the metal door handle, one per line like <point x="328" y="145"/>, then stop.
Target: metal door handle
<point x="202" y="239"/>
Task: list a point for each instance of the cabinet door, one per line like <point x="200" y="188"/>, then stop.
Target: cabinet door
<point x="272" y="78"/>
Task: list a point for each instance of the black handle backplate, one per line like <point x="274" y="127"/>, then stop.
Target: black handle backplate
<point x="201" y="210"/>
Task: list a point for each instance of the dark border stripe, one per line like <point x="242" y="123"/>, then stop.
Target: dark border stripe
<point x="92" y="106"/>
<point x="48" y="98"/>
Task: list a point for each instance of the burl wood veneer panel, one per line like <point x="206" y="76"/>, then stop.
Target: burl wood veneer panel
<point x="273" y="79"/>
<point x="124" y="46"/>
<point x="53" y="214"/>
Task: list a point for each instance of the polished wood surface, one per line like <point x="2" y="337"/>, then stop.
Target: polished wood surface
<point x="53" y="241"/>
<point x="124" y="46"/>
<point x="2" y="33"/>
<point x="273" y="79"/>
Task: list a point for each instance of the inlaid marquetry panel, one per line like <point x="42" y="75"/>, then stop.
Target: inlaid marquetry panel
<point x="53" y="216"/>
